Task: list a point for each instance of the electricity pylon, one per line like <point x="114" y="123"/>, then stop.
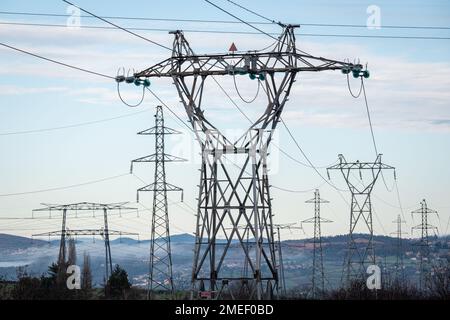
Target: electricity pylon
<point x="160" y="266"/>
<point x="318" y="276"/>
<point x="280" y="267"/>
<point x="399" y="265"/>
<point x="105" y="232"/>
<point x="232" y="194"/>
<point x="358" y="257"/>
<point x="424" y="243"/>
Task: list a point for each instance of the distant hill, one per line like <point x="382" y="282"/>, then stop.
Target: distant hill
<point x="12" y="242"/>
<point x="124" y="240"/>
<point x="133" y="255"/>
<point x="176" y="238"/>
<point x="183" y="238"/>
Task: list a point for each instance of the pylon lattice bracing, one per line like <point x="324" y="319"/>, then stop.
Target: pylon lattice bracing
<point x="360" y="256"/>
<point x="399" y="265"/>
<point x="424" y="243"/>
<point x="160" y="265"/>
<point x="64" y="233"/>
<point x="318" y="275"/>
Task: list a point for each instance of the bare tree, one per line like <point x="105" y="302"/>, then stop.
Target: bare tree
<point x="439" y="283"/>
<point x="72" y="259"/>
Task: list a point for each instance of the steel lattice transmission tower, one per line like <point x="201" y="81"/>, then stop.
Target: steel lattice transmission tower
<point x="279" y="249"/>
<point x="105" y="232"/>
<point x="424" y="242"/>
<point x="399" y="265"/>
<point x="318" y="276"/>
<point x="233" y="194"/>
<point x="359" y="256"/>
<point x="160" y="267"/>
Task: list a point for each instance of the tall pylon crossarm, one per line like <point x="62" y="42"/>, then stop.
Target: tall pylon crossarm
<point x="283" y="57"/>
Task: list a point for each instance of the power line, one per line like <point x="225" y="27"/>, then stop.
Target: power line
<point x="390" y="204"/>
<point x="123" y="29"/>
<point x="300" y="162"/>
<point x="250" y="121"/>
<point x="119" y="27"/>
<point x="55" y="61"/>
<point x="373" y="37"/>
<point x="278" y="38"/>
<point x="234" y="32"/>
<point x="363" y="90"/>
<point x="64" y="187"/>
<point x="209" y="21"/>
<point x="84" y="70"/>
<point x="311" y="165"/>
<point x="253" y="12"/>
<point x="171" y="201"/>
<point x="281" y="150"/>
<point x="339" y="191"/>
<point x="297" y="191"/>
<point x="243" y="21"/>
<point x="368" y="117"/>
<point x="376" y="154"/>
<point x="379" y="221"/>
<point x="170" y="110"/>
<point x="307" y="158"/>
<point x="399" y="201"/>
<point x="78" y="216"/>
<point x="72" y="125"/>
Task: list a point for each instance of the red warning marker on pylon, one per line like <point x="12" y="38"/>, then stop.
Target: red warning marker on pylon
<point x="232" y="48"/>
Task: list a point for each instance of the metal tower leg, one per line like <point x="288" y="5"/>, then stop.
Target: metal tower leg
<point x="108" y="260"/>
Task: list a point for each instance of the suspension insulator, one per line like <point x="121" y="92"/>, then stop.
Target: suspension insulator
<point x="355" y="73"/>
<point x="137" y="82"/>
<point x="129" y="79"/>
<point x="146" y="83"/>
<point x="366" y="74"/>
<point x="345" y="70"/>
<point x="120" y="79"/>
<point x="252" y="76"/>
<point x="262" y="77"/>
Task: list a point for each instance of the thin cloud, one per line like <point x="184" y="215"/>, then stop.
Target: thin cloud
<point x="402" y="94"/>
